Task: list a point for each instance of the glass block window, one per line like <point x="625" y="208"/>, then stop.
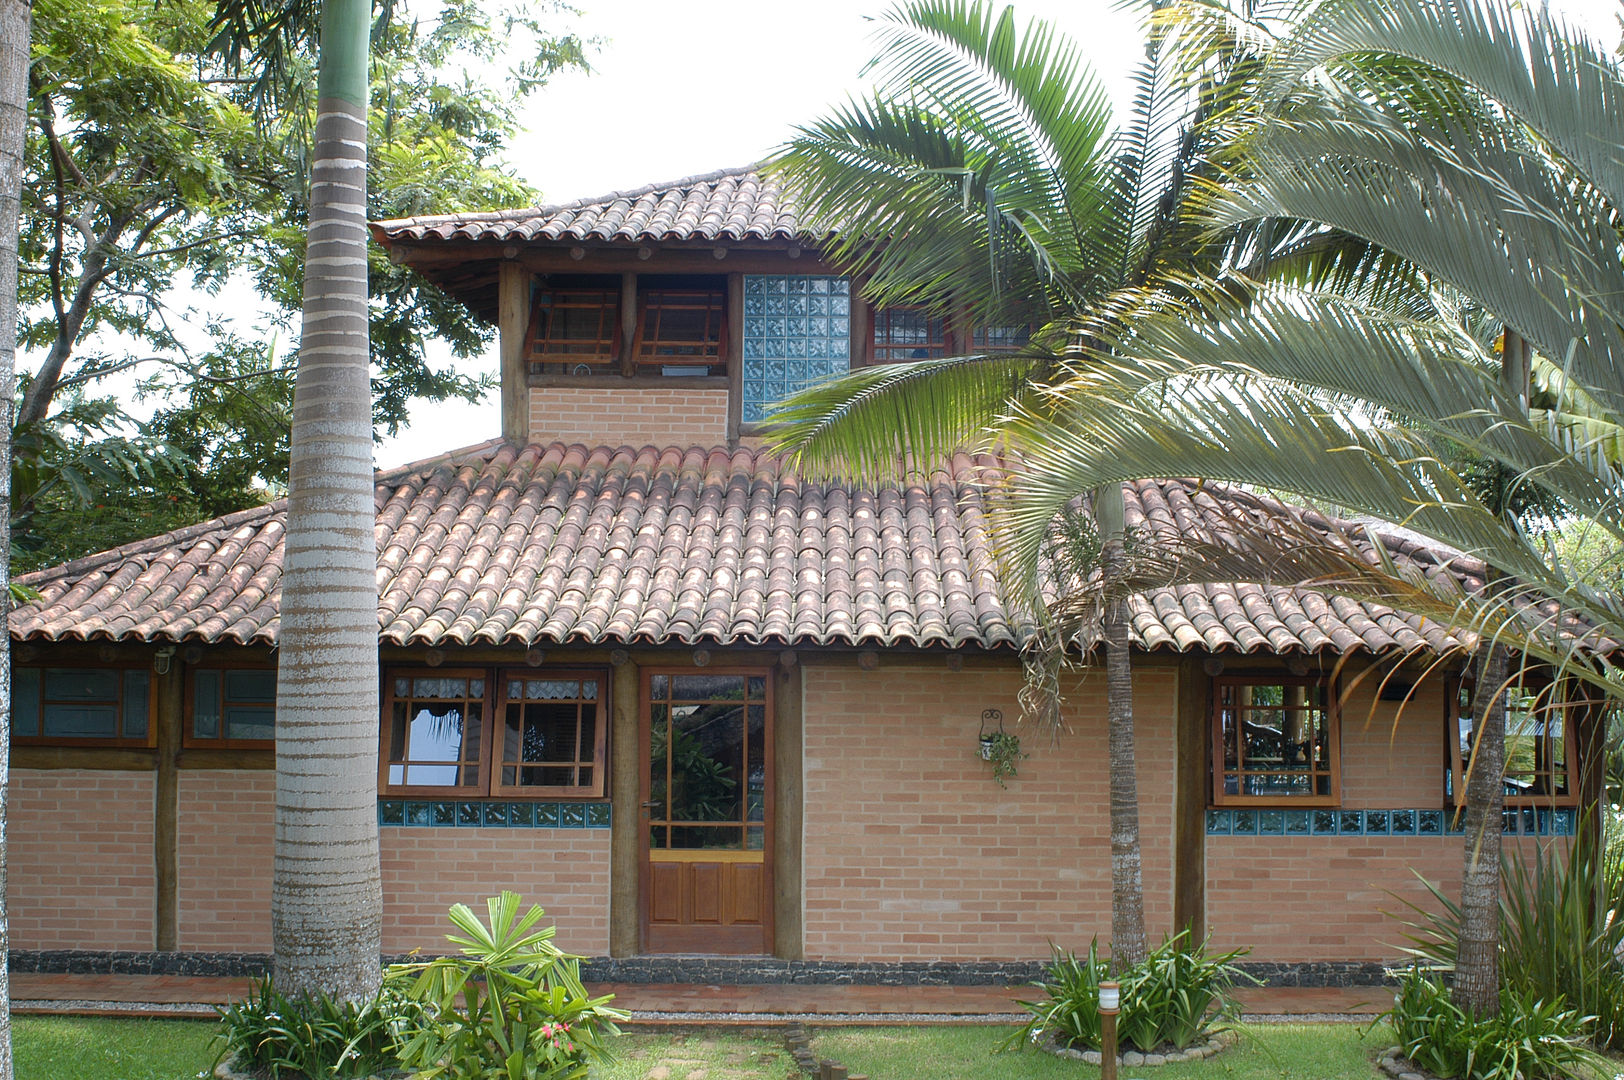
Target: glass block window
<point x="434" y="731"/>
<point x="105" y="706"/>
<point x="232" y="705"/>
<point x="797" y="332"/>
<point x="1274" y="741"/>
<point x="553" y="734"/>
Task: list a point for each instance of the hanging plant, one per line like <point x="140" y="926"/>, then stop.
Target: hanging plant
<point x="999" y="747"/>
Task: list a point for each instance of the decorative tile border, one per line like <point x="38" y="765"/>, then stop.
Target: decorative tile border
<point x="1518" y="821"/>
<point x="450" y="813"/>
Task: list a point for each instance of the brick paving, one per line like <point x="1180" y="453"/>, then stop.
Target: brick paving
<point x="669" y="1003"/>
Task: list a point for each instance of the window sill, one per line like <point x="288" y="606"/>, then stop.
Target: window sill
<point x="632" y="382"/>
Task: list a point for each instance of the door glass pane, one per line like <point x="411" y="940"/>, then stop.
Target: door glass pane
<point x="707" y="762"/>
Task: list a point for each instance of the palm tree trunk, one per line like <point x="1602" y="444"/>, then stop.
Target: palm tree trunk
<point x="326" y="900"/>
<point x="1477" y="954"/>
<point x="14" y="31"/>
<point x="1127" y="883"/>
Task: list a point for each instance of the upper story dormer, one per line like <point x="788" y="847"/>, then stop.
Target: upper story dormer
<point x="675" y="314"/>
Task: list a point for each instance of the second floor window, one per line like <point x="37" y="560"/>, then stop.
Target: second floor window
<point x="578" y="326"/>
<point x="909" y="332"/>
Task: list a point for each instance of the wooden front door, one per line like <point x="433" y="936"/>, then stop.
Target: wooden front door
<point x="707" y="790"/>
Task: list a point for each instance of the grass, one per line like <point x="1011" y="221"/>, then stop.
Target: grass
<point x="1274" y="1051"/>
<point x="73" y="1048"/>
<point x="85" y="1048"/>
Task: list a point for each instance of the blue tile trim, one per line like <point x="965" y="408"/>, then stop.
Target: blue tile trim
<point x="454" y="813"/>
<point x="1523" y="821"/>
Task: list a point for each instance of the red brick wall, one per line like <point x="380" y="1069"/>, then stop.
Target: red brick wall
<point x="911" y="851"/>
<point x="602" y="416"/>
<point x="1392" y="752"/>
<point x="223" y="848"/>
<point x="426" y="870"/>
<point x="80" y="860"/>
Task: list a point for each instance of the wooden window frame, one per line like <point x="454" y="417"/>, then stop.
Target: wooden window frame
<point x="148" y="741"/>
<point x="1333" y="736"/>
<point x="1455" y="794"/>
<point x="600" y="363"/>
<point x="949" y="342"/>
<point x="191" y="741"/>
<point x="460" y="791"/>
<point x="716" y="305"/>
<point x="646" y="821"/>
<point x="600" y="748"/>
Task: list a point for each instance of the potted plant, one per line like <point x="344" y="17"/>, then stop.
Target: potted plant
<point x="998" y="746"/>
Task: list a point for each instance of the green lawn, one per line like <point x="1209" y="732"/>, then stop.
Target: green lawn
<point x="1274" y="1051"/>
<point x="82" y="1048"/>
<point x="71" y="1048"/>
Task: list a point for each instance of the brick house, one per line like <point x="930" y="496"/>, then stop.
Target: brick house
<point x="694" y="705"/>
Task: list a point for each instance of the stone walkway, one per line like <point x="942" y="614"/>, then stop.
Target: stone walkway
<point x="668" y="1004"/>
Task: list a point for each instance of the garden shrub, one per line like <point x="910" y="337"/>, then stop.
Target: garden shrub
<point x="1561" y="932"/>
<point x="1531" y="1039"/>
<point x="281" y="1038"/>
<point x="510" y="1007"/>
<point x="1179" y="995"/>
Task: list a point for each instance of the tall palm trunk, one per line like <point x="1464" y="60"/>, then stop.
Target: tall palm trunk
<point x="14" y="29"/>
<point x="1127" y="884"/>
<point x="326" y="900"/>
<point x="1477" y="954"/>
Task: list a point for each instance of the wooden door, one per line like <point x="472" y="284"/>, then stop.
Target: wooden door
<point x="707" y="789"/>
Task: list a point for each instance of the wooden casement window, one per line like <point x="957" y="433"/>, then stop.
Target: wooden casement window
<point x="1540" y="749"/>
<point x="231" y="707"/>
<point x="1275" y="741"/>
<point x="478" y="732"/>
<point x="681" y="332"/>
<point x="554" y="734"/>
<point x="995" y="339"/>
<point x="575" y="331"/>
<point x="909" y="332"/>
<point x="74" y="706"/>
<point x="434" y="732"/>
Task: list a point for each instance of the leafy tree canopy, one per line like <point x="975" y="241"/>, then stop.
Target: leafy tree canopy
<point x="157" y="175"/>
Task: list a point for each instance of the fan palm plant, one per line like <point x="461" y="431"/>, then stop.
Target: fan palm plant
<point x="983" y="179"/>
<point x="1464" y="140"/>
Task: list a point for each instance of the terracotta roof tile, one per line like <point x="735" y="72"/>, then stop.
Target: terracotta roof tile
<point x="733" y="204"/>
<point x="554" y="544"/>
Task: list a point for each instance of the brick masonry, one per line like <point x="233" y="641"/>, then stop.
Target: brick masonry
<point x="912" y="852"/>
<point x="80" y="859"/>
<point x="604" y="416"/>
<point x="223" y="849"/>
<point x="426" y="870"/>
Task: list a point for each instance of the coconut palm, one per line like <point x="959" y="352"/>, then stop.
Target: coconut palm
<point x="982" y="180"/>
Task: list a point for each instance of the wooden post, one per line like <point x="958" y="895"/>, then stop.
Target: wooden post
<point x="862" y="328"/>
<point x="1192" y="782"/>
<point x="168" y="707"/>
<point x="625" y="814"/>
<point x="513" y="319"/>
<point x="628" y="324"/>
<point x="788" y="942"/>
<point x="735" y="356"/>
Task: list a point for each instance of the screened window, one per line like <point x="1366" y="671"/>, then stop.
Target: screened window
<point x="908" y="332"/>
<point x="553" y="734"/>
<point x="575" y="331"/>
<point x="681" y="332"/>
<point x="1274" y="741"/>
<point x="988" y="339"/>
<point x="434" y="731"/>
<point x="108" y="706"/>
<point x="232" y="706"/>
<point x="1539" y="748"/>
